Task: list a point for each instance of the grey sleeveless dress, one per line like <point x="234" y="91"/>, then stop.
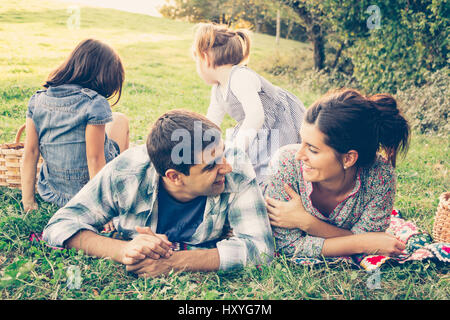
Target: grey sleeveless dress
<point x="283" y="115"/>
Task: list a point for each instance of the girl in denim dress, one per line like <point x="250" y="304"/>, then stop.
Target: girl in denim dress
<point x="70" y="123"/>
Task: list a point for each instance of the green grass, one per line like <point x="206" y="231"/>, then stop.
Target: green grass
<point x="160" y="75"/>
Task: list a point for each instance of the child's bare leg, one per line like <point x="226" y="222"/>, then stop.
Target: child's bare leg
<point x="119" y="131"/>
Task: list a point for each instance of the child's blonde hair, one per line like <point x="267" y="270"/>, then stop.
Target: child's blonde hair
<point x="222" y="44"/>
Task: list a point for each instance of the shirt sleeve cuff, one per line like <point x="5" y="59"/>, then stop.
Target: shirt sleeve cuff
<point x="232" y="254"/>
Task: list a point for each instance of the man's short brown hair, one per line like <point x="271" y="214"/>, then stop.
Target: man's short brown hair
<point x="164" y="139"/>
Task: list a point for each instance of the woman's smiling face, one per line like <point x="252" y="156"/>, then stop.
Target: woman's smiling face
<point x="319" y="161"/>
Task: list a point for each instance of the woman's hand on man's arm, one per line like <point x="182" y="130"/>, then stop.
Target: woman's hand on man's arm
<point x="288" y="214"/>
<point x="292" y="214"/>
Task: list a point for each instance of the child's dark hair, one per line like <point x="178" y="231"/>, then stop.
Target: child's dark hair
<point x="161" y="143"/>
<point x="94" y="65"/>
<point x="351" y="121"/>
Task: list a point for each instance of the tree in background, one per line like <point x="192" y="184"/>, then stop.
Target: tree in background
<point x="385" y="46"/>
<point x="312" y="19"/>
<point x="393" y="44"/>
<point x="197" y="10"/>
<point x="258" y="15"/>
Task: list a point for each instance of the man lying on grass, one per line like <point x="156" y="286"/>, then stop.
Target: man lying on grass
<point x="183" y="190"/>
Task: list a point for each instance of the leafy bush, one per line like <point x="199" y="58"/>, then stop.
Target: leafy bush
<point x="322" y="81"/>
<point x="292" y="65"/>
<point x="297" y="67"/>
<point x="427" y="107"/>
<point x="410" y="41"/>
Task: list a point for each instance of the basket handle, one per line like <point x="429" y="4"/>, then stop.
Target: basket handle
<point x="19" y="133"/>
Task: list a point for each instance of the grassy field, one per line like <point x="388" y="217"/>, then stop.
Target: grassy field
<point x="160" y="75"/>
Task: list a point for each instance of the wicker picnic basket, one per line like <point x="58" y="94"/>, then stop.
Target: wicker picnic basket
<point x="441" y="226"/>
<point x="11" y="160"/>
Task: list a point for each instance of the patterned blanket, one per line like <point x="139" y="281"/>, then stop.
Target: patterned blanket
<point x="419" y="246"/>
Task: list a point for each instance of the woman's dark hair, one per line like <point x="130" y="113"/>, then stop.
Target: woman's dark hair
<point x="163" y="141"/>
<point x="351" y="121"/>
<point x="94" y="65"/>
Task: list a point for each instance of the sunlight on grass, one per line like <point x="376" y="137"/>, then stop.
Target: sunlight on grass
<point x="156" y="53"/>
<point x="160" y="76"/>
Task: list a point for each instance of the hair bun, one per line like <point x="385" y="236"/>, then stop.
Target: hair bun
<point x="391" y="127"/>
<point x="385" y="103"/>
<point x="367" y="124"/>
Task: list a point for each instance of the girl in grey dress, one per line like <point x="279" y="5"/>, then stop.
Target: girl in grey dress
<point x="268" y="117"/>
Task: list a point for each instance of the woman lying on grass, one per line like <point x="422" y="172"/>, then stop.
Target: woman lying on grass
<point x="333" y="194"/>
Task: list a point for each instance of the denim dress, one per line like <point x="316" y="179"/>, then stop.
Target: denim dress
<point x="60" y="115"/>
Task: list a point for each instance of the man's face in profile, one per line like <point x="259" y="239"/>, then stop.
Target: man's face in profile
<point x="207" y="178"/>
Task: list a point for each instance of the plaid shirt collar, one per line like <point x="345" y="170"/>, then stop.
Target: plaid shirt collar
<point x="231" y="186"/>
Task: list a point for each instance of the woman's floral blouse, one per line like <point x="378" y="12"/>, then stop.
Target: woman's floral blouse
<point x="366" y="209"/>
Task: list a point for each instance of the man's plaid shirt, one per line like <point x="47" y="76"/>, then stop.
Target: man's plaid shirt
<point x="126" y="189"/>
